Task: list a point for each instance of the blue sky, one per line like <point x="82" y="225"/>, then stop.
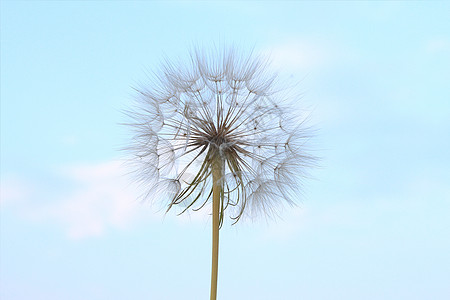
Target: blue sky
<point x="372" y="224"/>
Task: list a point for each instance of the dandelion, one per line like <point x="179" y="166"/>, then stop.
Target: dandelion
<point x="217" y="129"/>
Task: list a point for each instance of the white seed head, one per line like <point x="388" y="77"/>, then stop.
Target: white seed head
<point x="222" y="105"/>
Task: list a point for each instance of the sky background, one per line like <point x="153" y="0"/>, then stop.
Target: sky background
<point x="373" y="223"/>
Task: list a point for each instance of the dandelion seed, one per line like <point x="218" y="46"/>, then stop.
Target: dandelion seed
<point x="221" y="118"/>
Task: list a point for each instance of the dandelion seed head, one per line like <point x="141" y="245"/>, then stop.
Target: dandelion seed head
<point x="220" y="105"/>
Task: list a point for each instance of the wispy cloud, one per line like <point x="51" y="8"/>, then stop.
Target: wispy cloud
<point x="438" y="45"/>
<point x="102" y="200"/>
<point x="13" y="189"/>
<point x="96" y="197"/>
<point x="303" y="55"/>
<point x="85" y="200"/>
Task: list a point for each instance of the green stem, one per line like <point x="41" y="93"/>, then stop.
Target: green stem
<point x="216" y="172"/>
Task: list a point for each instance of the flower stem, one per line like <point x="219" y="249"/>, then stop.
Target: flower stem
<point x="216" y="172"/>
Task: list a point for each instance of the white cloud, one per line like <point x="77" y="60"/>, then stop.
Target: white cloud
<point x="301" y="55"/>
<point x="13" y="190"/>
<point x="104" y="199"/>
<point x="437" y="45"/>
<point x="95" y="197"/>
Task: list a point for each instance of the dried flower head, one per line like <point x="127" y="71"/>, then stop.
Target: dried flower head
<point x="221" y="110"/>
